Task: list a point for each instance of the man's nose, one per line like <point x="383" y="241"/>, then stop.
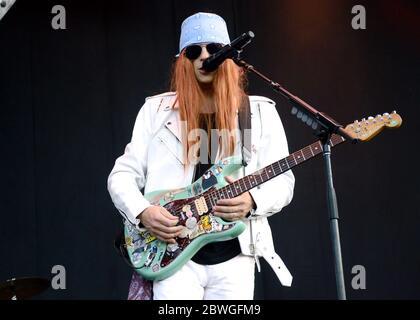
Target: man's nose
<point x="204" y="54"/>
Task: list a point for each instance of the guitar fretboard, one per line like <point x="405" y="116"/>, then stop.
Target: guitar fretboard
<point x="269" y="172"/>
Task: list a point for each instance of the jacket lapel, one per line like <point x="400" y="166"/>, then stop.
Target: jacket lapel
<point x="173" y="124"/>
<point x="174" y="128"/>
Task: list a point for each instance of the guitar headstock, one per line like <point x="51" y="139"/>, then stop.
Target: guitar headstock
<point x="366" y="129"/>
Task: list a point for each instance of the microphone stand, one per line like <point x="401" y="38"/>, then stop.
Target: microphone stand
<point x="326" y="127"/>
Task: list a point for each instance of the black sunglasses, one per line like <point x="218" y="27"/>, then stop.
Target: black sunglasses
<point x="194" y="51"/>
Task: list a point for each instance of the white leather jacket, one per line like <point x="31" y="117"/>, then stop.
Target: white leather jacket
<point x="153" y="160"/>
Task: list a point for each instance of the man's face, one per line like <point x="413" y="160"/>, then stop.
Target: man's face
<point x="201" y="75"/>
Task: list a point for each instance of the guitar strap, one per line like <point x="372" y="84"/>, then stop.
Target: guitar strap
<point x="244" y="116"/>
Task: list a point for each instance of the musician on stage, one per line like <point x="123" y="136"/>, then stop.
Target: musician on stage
<point x="162" y="154"/>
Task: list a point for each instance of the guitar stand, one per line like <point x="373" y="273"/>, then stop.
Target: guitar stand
<point x="325" y="126"/>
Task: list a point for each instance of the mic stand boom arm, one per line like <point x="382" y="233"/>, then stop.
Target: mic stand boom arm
<point x="313" y="118"/>
<point x="329" y="125"/>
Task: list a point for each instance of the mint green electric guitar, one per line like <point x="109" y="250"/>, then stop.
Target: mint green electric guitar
<point x="156" y="260"/>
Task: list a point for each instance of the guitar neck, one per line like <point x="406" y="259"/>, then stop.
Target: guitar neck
<point x="275" y="169"/>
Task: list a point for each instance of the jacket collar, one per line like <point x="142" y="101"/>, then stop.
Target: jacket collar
<point x="173" y="122"/>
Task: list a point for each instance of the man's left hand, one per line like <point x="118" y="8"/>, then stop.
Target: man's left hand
<point x="234" y="208"/>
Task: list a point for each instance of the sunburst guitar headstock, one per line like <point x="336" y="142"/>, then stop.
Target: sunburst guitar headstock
<point x="367" y="129"/>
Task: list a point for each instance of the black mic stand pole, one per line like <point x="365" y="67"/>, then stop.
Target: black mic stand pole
<point x="328" y="126"/>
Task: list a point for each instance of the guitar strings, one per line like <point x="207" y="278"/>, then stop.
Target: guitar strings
<point x="307" y="153"/>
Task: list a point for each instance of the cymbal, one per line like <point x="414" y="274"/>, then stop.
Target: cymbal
<point x="22" y="288"/>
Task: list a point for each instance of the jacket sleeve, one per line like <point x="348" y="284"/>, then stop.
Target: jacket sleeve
<point x="276" y="193"/>
<point x="128" y="176"/>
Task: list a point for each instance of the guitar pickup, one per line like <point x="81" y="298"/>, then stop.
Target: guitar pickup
<point x="201" y="206"/>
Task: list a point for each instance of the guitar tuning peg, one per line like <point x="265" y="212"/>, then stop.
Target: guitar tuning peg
<point x="394" y="112"/>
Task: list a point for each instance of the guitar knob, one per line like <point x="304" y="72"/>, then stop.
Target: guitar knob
<point x="386" y="114"/>
<point x="370" y="118"/>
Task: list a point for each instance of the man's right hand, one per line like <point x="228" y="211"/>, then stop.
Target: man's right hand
<point x="161" y="223"/>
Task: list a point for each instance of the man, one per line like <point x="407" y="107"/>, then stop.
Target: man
<point x="162" y="154"/>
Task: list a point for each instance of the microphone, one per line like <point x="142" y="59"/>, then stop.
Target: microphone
<point x="227" y="52"/>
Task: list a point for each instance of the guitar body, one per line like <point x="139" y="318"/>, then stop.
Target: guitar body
<point x="157" y="260"/>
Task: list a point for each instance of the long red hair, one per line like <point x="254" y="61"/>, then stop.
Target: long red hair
<point x="228" y="93"/>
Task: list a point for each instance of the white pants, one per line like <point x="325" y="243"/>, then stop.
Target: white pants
<point x="229" y="280"/>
